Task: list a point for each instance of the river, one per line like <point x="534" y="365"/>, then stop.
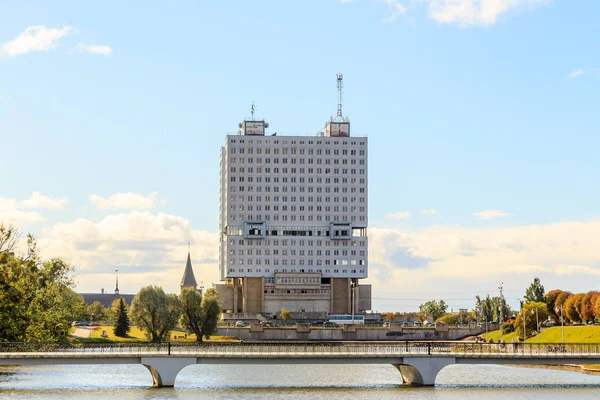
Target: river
<point x="215" y="382"/>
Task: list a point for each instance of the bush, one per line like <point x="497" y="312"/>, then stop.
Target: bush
<point x="507" y="328"/>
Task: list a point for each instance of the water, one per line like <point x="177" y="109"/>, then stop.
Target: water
<point x="216" y="382"/>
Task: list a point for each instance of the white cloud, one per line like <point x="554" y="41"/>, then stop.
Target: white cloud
<point x="34" y="38"/>
<point x="455" y="262"/>
<point x="474" y="12"/>
<point x="126" y="201"/>
<point x="459" y="12"/>
<point x="38" y="200"/>
<point x="146" y="248"/>
<point x="396" y="8"/>
<point x="19" y="212"/>
<point x="429" y="211"/>
<point x="491" y="214"/>
<point x="95" y="49"/>
<point x="399" y="215"/>
<point x="576" y="73"/>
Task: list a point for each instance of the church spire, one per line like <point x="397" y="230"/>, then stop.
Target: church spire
<point x="188" y="280"/>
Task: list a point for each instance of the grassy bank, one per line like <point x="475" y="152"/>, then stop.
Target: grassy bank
<point x="136" y="335"/>
<point x="573" y="334"/>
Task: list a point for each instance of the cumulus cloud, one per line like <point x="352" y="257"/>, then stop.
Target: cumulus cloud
<point x="147" y="248"/>
<point x="491" y="214"/>
<point x="17" y="212"/>
<point x="460" y="12"/>
<point x="398" y="215"/>
<point x="38" y="200"/>
<point x="95" y="49"/>
<point x="126" y="201"/>
<point x="34" y="38"/>
<point x="469" y="261"/>
<point x="429" y="211"/>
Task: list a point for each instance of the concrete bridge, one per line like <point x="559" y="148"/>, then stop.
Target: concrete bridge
<point x="418" y="362"/>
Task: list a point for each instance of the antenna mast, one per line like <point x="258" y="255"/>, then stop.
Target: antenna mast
<point x="340" y="85"/>
<point x="252" y="111"/>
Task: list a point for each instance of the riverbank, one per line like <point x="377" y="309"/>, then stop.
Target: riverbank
<point x="584" y="369"/>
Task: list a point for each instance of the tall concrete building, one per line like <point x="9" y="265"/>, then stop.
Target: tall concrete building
<point x="293" y="221"/>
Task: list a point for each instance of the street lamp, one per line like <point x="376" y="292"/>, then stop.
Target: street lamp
<point x="537" y="320"/>
<point x="524" y="326"/>
<point x="562" y="321"/>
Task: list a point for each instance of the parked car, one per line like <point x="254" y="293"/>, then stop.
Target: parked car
<point x="317" y="323"/>
<point x="93" y="324"/>
<point x="329" y="324"/>
<point x="241" y="324"/>
<point x="417" y="324"/>
<point x="429" y="324"/>
<point x="266" y="324"/>
<point x="386" y="324"/>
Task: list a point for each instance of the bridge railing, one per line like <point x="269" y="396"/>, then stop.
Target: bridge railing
<point x="300" y="350"/>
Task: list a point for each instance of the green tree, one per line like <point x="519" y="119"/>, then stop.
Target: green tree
<point x="155" y="312"/>
<point x="97" y="311"/>
<point x="121" y="325"/>
<point x="212" y="312"/>
<point x="37" y="301"/>
<point x="434" y="308"/>
<point x="535" y="292"/>
<point x="285" y="314"/>
<point x="528" y="311"/>
<point x="200" y="315"/>
<point x="572" y="306"/>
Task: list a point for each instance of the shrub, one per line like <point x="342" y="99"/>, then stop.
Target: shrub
<point x="507" y="328"/>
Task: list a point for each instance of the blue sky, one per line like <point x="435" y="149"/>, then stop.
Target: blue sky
<point x="470" y="106"/>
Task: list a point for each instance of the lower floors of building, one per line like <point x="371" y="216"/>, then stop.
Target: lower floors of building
<point x="297" y="293"/>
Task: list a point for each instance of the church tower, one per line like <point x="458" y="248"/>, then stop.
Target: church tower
<point x="188" y="279"/>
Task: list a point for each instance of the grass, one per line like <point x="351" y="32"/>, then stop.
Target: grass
<point x="137" y="335"/>
<point x="573" y="334"/>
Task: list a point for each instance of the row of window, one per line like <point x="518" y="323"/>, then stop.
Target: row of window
<point x="293" y="151"/>
<point x="310" y="199"/>
<point x="292" y="179"/>
<point x="300" y="161"/>
<point x="292" y="252"/>
<point x="285" y="208"/>
<point x="258" y="179"/>
<point x="326" y="271"/>
<point x="297" y="291"/>
<point x="298" y="280"/>
<point x="276" y="242"/>
<point x="276" y="217"/>
<point x="285" y="141"/>
<point x="294" y="189"/>
<point x="276" y="261"/>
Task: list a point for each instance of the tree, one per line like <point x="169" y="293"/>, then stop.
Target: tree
<point x="560" y="301"/>
<point x="433" y="308"/>
<point x="37" y="301"/>
<point x="200" y="315"/>
<point x="551" y="298"/>
<point x="528" y="311"/>
<point x="535" y="292"/>
<point x="121" y="324"/>
<point x="571" y="309"/>
<point x="97" y="311"/>
<point x="212" y="312"/>
<point x="285" y="314"/>
<point x="155" y="312"/>
<point x="588" y="310"/>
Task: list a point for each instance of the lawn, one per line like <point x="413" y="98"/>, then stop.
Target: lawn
<point x="573" y="334"/>
<point x="136" y="335"/>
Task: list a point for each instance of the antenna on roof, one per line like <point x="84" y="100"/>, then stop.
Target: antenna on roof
<point x="340" y="86"/>
<point x="252" y="111"/>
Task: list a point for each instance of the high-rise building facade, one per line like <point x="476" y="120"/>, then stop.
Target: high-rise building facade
<point x="293" y="221"/>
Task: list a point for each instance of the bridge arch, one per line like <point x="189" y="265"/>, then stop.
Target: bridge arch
<point x="422" y="371"/>
<point x="164" y="370"/>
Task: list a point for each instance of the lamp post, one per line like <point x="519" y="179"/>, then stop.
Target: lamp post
<point x="562" y="322"/>
<point x="524" y="326"/>
<point x="537" y="326"/>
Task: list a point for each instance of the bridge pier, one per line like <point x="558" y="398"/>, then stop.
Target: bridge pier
<point x="422" y="371"/>
<point x="164" y="370"/>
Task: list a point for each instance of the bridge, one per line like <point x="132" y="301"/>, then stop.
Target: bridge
<point x="418" y="362"/>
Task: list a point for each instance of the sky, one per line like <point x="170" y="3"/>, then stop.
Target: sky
<point x="482" y="118"/>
